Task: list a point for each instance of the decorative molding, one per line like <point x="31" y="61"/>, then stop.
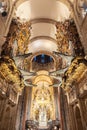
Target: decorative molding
<point x="43" y="20"/>
<point x="43" y="37"/>
<point x="46" y="53"/>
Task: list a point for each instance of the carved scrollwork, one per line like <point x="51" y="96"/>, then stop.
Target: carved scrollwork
<point x="10" y="73"/>
<point x="18" y="39"/>
<point x="68" y="39"/>
<point x="74" y="72"/>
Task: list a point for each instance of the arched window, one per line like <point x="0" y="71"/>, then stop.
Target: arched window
<point x="3" y="6"/>
<point x="83" y="7"/>
<point x="43" y="59"/>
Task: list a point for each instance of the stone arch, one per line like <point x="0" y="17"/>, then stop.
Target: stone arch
<point x="46" y="53"/>
<point x="78" y="118"/>
<point x="19" y="2"/>
<point x="79" y="5"/>
<point x="66" y="2"/>
<point x="78" y="10"/>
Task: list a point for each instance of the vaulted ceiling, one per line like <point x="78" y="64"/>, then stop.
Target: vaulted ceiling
<point x="44" y="28"/>
<point x="43" y="15"/>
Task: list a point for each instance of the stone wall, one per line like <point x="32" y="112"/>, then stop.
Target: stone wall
<point x="8" y="106"/>
<point x="7" y="115"/>
<point x="77" y="105"/>
<point x="6" y="21"/>
<point x="23" y="109"/>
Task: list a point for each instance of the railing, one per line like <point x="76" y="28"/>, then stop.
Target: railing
<point x="51" y="125"/>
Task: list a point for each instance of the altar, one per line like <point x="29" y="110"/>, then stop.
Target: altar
<point x="42" y="119"/>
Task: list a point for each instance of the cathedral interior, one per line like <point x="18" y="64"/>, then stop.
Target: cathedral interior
<point x="43" y="64"/>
